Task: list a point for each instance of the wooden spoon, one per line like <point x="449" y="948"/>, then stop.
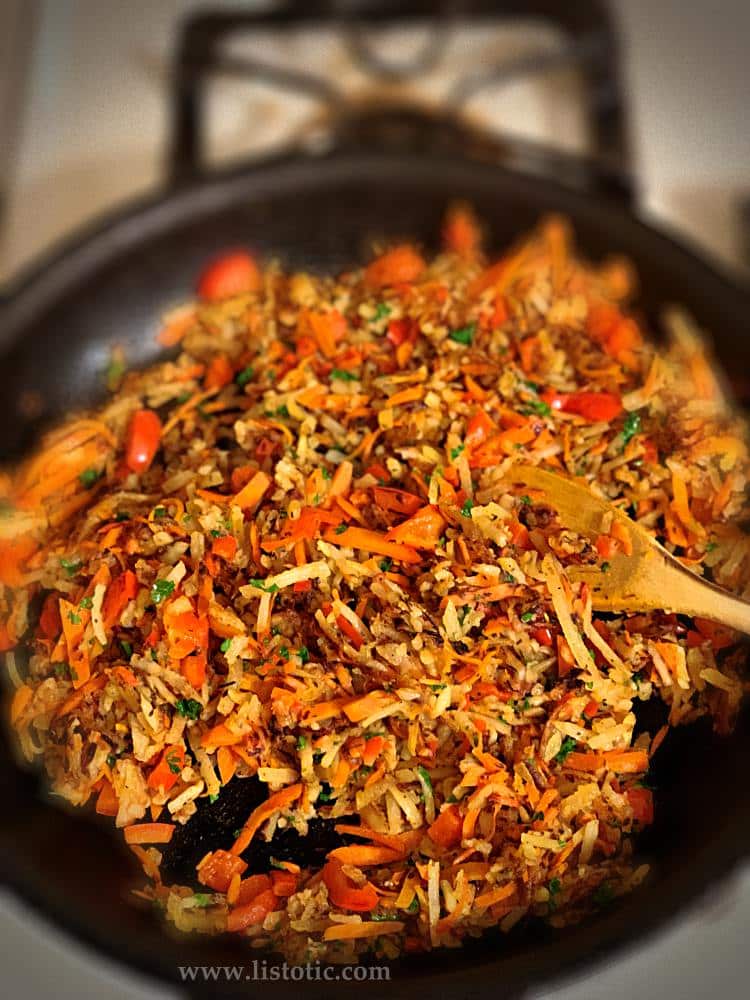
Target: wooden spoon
<point x="648" y="579"/>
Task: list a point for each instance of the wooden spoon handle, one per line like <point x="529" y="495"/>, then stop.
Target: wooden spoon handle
<point x="697" y="597"/>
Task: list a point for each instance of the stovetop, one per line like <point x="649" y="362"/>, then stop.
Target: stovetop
<point x="91" y="117"/>
<point x="92" y="129"/>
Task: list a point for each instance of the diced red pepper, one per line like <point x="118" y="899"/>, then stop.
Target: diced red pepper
<point x="397" y="501"/>
<point x="519" y="535"/>
<point x="231" y="274"/>
<point x="349" y="631"/>
<point x="344" y="893"/>
<point x="194" y="670"/>
<point x="447" y="827"/>
<point x="398" y="266"/>
<point x="543" y="635"/>
<point x="219" y="373"/>
<point x="592" y="406"/>
<point x="253" y="886"/>
<point x="606" y="546"/>
<point x="461" y="232"/>
<point x="719" y="635"/>
<point x="650" y="451"/>
<point x="372" y="750"/>
<point x="120" y="592"/>
<point x="500" y="313"/>
<point x="400" y="330"/>
<point x="225" y="547"/>
<point x="217" y="871"/>
<point x="252" y="913"/>
<point x="479" y="428"/>
<point x="641" y="802"/>
<point x="565" y="659"/>
<point x="378" y="471"/>
<point x="167" y="771"/>
<point x="142" y="440"/>
<point x="50" y="624"/>
<point x="284" y="883"/>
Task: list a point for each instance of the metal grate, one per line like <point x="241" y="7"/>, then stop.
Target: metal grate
<point x="589" y="45"/>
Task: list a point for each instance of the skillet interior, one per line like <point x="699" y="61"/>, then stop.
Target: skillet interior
<point x="55" y="336"/>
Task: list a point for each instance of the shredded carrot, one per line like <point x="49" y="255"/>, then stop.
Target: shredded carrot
<point x="350" y="631"/>
<point x="621" y="761"/>
<point x="342" y="479"/>
<point x="279" y="800"/>
<point x="221" y="736"/>
<point x="74" y="622"/>
<point x="120" y="592"/>
<point x="400" y="265"/>
<point x="350" y="510"/>
<point x="621" y="534"/>
<point x="176" y="326"/>
<point x="219" y="373"/>
<point x="227" y="764"/>
<point x="70" y="704"/>
<point x="422" y="530"/>
<point x="341" y="775"/>
<point x="185" y="409"/>
<point x="324" y="710"/>
<point x="364" y="929"/>
<point x="149" y="833"/>
<point x="446" y="830"/>
<point x="461" y="231"/>
<point x="225" y="547"/>
<point x="125" y="675"/>
<point x="372" y="541"/>
<point x="19" y="704"/>
<point x="681" y="506"/>
<point x="326" y="328"/>
<point x="398" y="843"/>
<point x="13" y="554"/>
<point x="527" y="350"/>
<point x="363" y="855"/>
<point x="167" y="772"/>
<point x="250" y="495"/>
<point x="493" y="896"/>
<point x="362" y="708"/>
<point x="411" y="395"/>
<point x="106" y="803"/>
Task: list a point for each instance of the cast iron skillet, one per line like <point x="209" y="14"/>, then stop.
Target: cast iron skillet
<point x="321" y="212"/>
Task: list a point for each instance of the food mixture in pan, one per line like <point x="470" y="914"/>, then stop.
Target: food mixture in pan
<point x="295" y="555"/>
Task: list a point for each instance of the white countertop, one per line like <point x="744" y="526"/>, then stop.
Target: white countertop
<point x="83" y="148"/>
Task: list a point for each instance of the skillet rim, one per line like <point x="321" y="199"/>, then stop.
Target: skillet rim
<point x="54" y="268"/>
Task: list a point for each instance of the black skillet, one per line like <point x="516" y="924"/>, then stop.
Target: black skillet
<point x="321" y="210"/>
